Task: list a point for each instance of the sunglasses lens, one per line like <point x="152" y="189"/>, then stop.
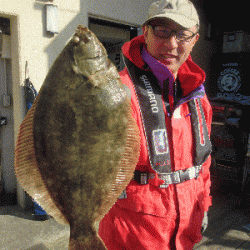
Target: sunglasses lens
<point x="162" y="32"/>
<point x="180" y="35"/>
<point x="184" y="35"/>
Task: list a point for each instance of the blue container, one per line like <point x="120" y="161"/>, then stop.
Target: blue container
<point x="39" y="213"/>
<point x="38" y="210"/>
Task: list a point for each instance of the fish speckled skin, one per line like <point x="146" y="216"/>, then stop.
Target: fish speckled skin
<point x="86" y="142"/>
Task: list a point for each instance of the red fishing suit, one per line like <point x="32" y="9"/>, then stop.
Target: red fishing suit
<point x="150" y="216"/>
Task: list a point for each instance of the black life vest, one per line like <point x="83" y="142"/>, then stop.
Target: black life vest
<point x="149" y="95"/>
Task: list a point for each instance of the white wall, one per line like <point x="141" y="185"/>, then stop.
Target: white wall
<point x="30" y="42"/>
<point x="39" y="49"/>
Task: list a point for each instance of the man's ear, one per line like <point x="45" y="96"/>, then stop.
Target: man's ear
<point x="197" y="37"/>
<point x="145" y="32"/>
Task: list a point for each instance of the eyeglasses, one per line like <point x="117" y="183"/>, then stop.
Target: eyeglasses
<point x="180" y="35"/>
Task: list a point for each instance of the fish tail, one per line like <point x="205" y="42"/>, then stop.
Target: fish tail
<point x="92" y="243"/>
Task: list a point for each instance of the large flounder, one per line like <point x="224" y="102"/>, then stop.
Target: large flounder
<point x="78" y="145"/>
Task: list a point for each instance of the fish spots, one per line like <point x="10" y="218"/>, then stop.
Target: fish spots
<point x="65" y="122"/>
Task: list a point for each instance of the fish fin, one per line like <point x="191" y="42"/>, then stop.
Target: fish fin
<point x="94" y="242"/>
<point x="27" y="170"/>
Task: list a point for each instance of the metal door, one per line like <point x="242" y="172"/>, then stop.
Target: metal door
<point x="7" y="148"/>
<point x="113" y="36"/>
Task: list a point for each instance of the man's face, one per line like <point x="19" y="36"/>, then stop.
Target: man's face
<point x="168" y="50"/>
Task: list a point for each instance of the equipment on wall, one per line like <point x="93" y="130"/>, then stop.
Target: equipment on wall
<point x="229" y="96"/>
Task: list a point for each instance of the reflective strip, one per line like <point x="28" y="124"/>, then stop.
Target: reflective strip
<point x="202" y="144"/>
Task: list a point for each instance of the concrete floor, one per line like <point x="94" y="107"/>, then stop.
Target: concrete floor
<point x="20" y="231"/>
<point x="229" y="228"/>
<point x="229" y="223"/>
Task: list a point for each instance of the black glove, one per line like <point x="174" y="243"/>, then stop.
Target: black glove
<point x="204" y="223"/>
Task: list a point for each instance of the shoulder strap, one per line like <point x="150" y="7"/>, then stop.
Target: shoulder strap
<point x="149" y="95"/>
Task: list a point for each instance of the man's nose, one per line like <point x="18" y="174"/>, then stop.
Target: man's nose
<point x="171" y="42"/>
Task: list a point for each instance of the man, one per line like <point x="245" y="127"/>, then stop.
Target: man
<point x="164" y="205"/>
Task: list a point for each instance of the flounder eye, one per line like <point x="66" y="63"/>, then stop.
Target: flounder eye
<point x="76" y="39"/>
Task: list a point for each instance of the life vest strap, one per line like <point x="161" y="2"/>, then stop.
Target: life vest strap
<point x="175" y="177"/>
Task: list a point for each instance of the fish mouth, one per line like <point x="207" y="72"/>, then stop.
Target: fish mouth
<point x="82" y="34"/>
<point x="87" y="44"/>
<point x="83" y="28"/>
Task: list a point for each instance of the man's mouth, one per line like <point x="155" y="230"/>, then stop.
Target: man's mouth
<point x="168" y="56"/>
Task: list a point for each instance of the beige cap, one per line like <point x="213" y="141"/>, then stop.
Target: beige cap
<point x="182" y="12"/>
